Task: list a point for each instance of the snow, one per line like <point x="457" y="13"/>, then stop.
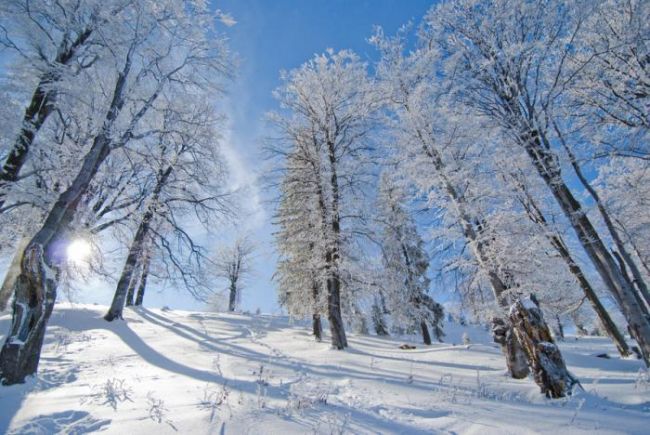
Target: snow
<point x="196" y="372"/>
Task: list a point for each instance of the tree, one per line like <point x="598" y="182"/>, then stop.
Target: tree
<point x="330" y="104"/>
<point x="509" y="64"/>
<point x="187" y="178"/>
<point x="234" y="264"/>
<point x="162" y="50"/>
<point x="52" y="43"/>
<point x="406" y="263"/>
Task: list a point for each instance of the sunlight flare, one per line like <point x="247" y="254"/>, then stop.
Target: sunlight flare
<point x="78" y="251"/>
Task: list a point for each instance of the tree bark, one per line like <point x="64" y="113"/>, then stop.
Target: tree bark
<point x="233" y="296"/>
<point x="426" y="338"/>
<point x="544" y="357"/>
<point x="337" y="330"/>
<point x="143" y="281"/>
<point x="317" y="327"/>
<point x="516" y="361"/>
<point x="135" y="280"/>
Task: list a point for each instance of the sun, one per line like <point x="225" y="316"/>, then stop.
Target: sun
<point x="78" y="251"/>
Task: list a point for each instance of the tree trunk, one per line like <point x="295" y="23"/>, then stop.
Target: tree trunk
<point x="544" y="357"/>
<point x="503" y="334"/>
<point x="378" y="321"/>
<point x="143" y="281"/>
<point x="136" y="251"/>
<point x="317" y="327"/>
<point x="12" y="273"/>
<point x="426" y="338"/>
<point x="638" y="282"/>
<point x="337" y="330"/>
<point x="36" y="113"/>
<point x="232" y="301"/>
<point x="135" y="279"/>
<point x="509" y="343"/>
<point x="36" y="285"/>
<point x="546" y="164"/>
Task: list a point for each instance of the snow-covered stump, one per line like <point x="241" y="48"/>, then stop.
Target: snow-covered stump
<point x="516" y="360"/>
<point x="35" y="294"/>
<point x="544" y="357"/>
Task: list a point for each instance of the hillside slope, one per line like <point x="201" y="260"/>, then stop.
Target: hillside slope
<point x="183" y="372"/>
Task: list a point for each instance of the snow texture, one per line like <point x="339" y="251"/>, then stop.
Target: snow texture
<point x="195" y="372"/>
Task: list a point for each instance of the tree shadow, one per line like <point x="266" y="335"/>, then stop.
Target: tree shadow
<point x="68" y="422"/>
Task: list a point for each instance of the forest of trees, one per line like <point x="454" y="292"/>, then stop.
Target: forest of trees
<point x="497" y="152"/>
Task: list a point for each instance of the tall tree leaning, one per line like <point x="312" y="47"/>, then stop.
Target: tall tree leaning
<point x="510" y="63"/>
<point x="36" y="286"/>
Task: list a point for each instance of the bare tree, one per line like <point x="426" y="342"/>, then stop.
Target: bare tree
<point x="234" y="264"/>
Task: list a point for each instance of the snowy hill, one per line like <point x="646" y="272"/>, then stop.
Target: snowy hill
<point x="184" y="372"/>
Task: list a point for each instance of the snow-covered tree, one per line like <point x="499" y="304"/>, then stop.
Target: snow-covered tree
<point x="406" y="261"/>
<point x="507" y="60"/>
<point x="160" y="51"/>
<point x="329" y="104"/>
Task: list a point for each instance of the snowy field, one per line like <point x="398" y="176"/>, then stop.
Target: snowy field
<point x="195" y="373"/>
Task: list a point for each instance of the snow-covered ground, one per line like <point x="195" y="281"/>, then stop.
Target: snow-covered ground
<point x="193" y="373"/>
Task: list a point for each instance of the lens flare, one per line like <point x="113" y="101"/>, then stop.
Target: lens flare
<point x="78" y="251"/>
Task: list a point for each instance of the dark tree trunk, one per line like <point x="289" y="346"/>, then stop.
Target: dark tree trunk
<point x="136" y="251"/>
<point x="232" y="301"/>
<point x="36" y="113"/>
<point x="143" y="281"/>
<point x="544" y="357"/>
<point x="317" y="327"/>
<point x="37" y="283"/>
<point x="378" y="321"/>
<point x="426" y="338"/>
<point x="337" y="330"/>
<point x="334" y="316"/>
